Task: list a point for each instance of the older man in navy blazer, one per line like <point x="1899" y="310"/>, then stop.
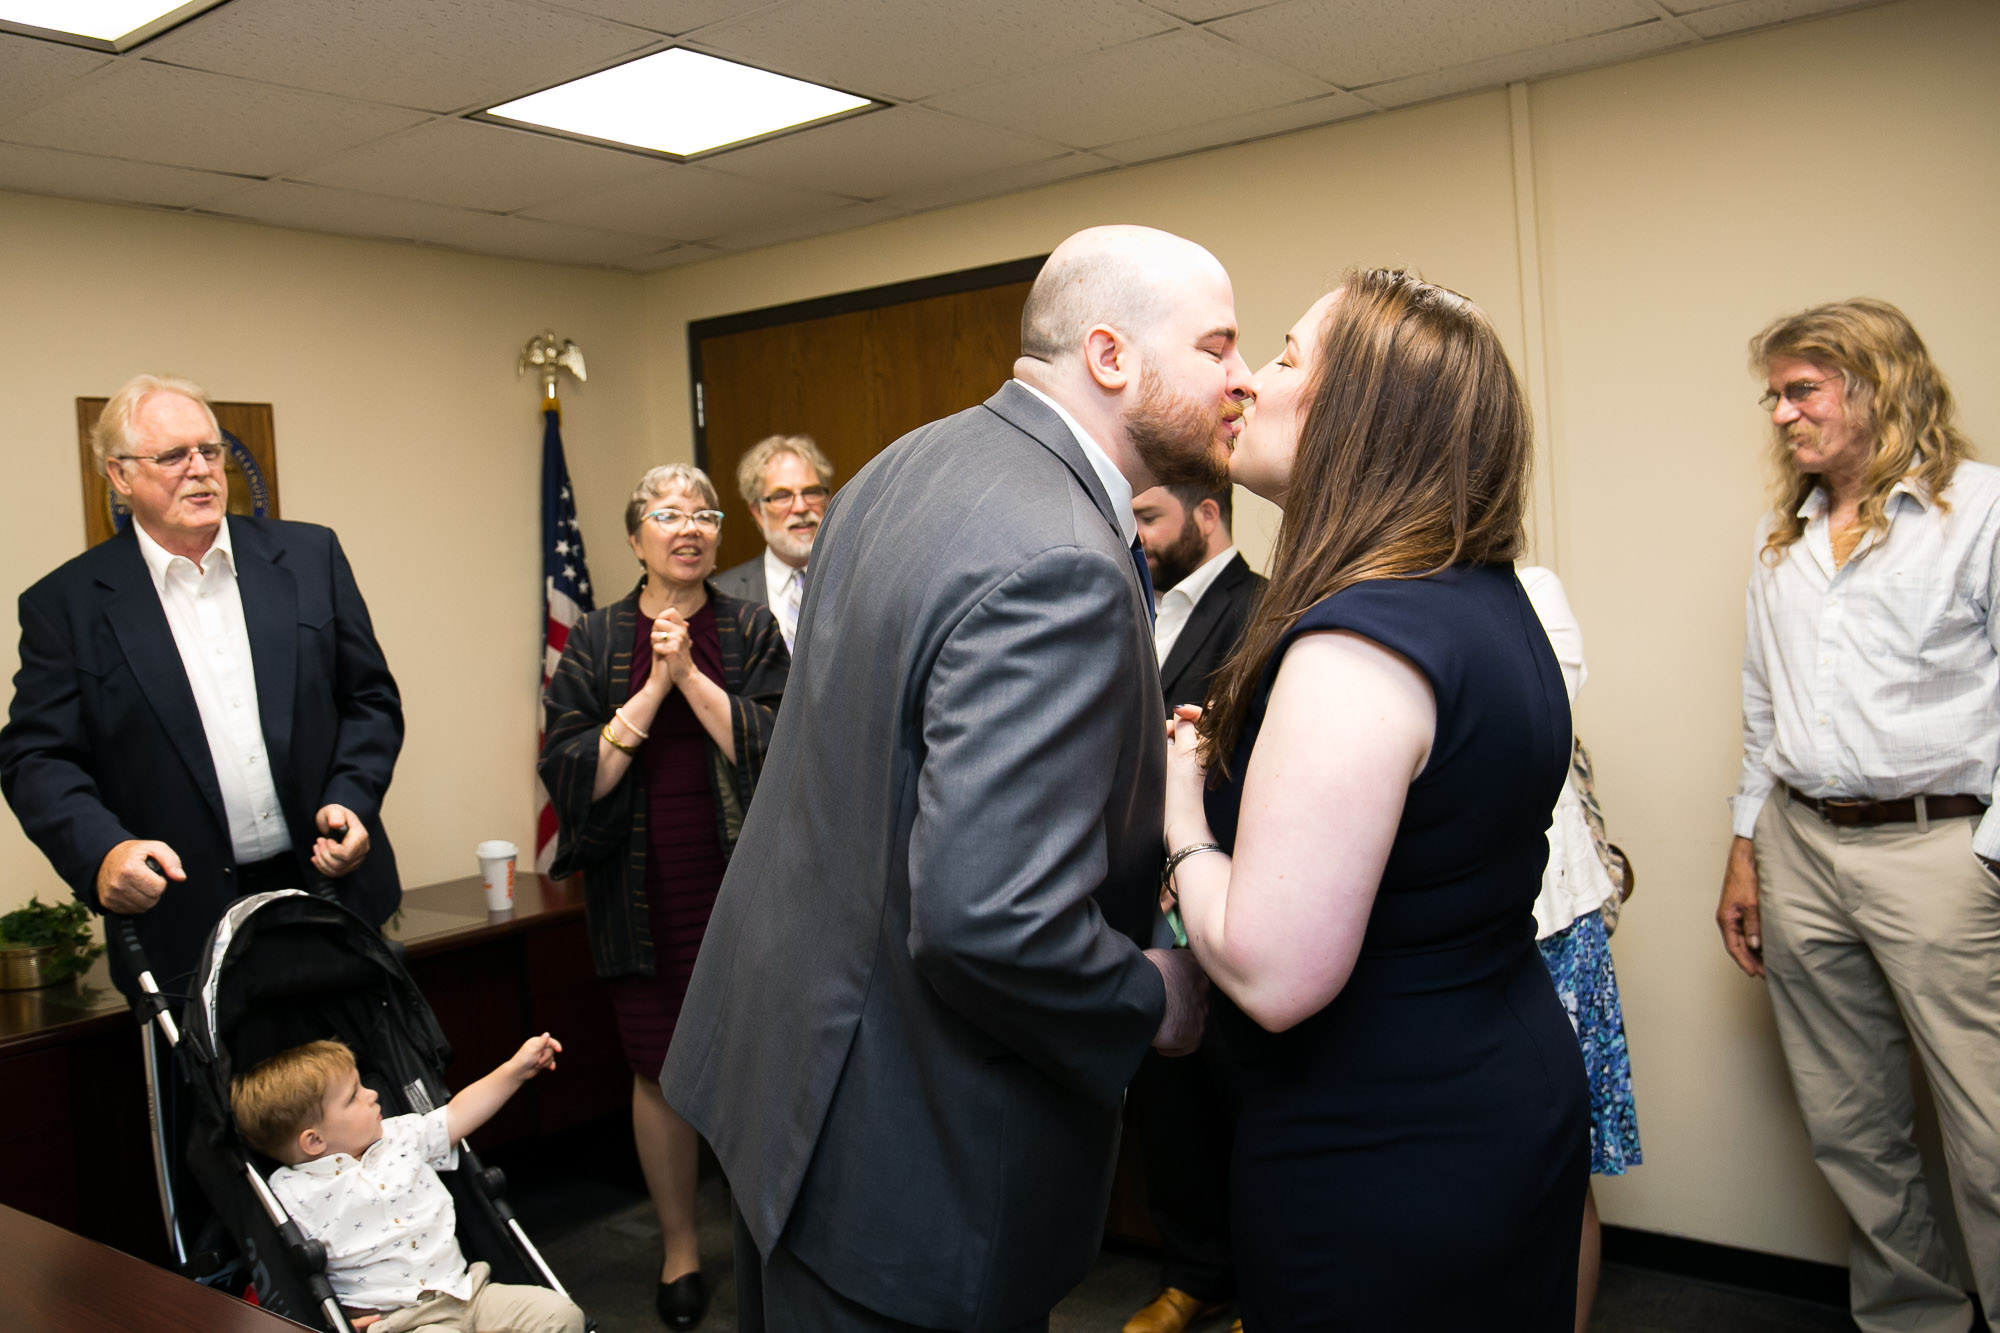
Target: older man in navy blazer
<point x="202" y="693"/>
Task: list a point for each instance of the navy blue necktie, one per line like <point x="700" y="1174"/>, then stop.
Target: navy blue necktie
<point x="1145" y="579"/>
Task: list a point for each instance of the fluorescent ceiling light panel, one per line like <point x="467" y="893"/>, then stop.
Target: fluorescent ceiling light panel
<point x="679" y="102"/>
<point x="109" y="21"/>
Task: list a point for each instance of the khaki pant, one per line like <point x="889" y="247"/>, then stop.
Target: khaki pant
<point x="1877" y="939"/>
<point x="494" y="1308"/>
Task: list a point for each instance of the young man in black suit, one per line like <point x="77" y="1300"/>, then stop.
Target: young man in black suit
<point x="1181" y="1110"/>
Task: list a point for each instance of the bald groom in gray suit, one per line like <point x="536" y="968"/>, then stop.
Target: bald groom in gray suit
<point x="921" y="994"/>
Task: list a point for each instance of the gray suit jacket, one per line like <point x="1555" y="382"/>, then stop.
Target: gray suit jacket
<point x="745" y="582"/>
<point x="919" y="999"/>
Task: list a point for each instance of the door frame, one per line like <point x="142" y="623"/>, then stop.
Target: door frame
<point x="841" y="303"/>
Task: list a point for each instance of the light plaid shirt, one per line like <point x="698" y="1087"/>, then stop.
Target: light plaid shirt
<point x="1879" y="680"/>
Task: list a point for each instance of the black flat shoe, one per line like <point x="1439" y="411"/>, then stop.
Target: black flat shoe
<point x="683" y="1301"/>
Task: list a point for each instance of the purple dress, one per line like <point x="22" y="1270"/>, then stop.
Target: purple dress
<point x="684" y="859"/>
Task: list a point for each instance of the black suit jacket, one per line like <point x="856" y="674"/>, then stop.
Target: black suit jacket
<point x="745" y="582"/>
<point x="920" y="997"/>
<point x="103" y="741"/>
<point x="1211" y="632"/>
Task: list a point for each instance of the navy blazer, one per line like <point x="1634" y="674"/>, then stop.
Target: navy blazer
<point x="103" y="741"/>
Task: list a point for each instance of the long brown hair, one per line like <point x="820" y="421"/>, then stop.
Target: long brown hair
<point x="1894" y="391"/>
<point x="1413" y="456"/>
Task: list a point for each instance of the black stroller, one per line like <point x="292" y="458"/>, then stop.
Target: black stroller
<point x="281" y="969"/>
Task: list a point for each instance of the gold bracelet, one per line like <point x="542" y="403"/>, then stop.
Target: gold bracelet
<point x="615" y="743"/>
<point x="618" y="716"/>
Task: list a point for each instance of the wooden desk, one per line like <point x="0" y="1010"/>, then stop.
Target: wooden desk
<point x="74" y="1146"/>
<point x="56" y="1282"/>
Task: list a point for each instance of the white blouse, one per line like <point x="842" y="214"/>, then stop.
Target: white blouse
<point x="1575" y="884"/>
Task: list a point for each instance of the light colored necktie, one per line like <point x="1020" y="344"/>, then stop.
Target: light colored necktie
<point x="795" y="591"/>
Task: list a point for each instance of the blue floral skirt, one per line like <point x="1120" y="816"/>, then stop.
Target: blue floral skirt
<point x="1579" y="961"/>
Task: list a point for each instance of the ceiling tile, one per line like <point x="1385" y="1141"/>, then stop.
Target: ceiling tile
<point x="188" y="119"/>
<point x="799" y="228"/>
<point x="670" y="17"/>
<point x="1721" y="20"/>
<point x="1354" y="43"/>
<point x="672" y="257"/>
<point x="687" y="204"/>
<point x="900" y="49"/>
<point x="346" y="212"/>
<point x="1584" y="53"/>
<point x="1201" y="11"/>
<point x="1239" y="129"/>
<point x="76" y="176"/>
<point x="995" y="183"/>
<point x="556" y="242"/>
<point x="441" y="55"/>
<point x="31" y="72"/>
<point x="901" y="148"/>
<point x="1149" y="87"/>
<point x="470" y="164"/>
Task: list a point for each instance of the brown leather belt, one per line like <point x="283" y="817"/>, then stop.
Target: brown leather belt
<point x="1866" y="814"/>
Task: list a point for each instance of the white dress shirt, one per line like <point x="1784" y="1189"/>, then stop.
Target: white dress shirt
<point x="785" y="590"/>
<point x="1177" y="603"/>
<point x="205" y="612"/>
<point x="1575" y="882"/>
<point x="390" y="1231"/>
<point x="1115" y="485"/>
<point x="1878" y="680"/>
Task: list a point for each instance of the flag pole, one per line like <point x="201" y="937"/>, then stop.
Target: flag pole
<point x="566" y="595"/>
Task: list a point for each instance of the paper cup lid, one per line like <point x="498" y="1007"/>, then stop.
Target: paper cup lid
<point x="493" y="849"/>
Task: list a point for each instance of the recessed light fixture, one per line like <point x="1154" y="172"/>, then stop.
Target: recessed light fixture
<point x="679" y="102"/>
<point x="106" y="25"/>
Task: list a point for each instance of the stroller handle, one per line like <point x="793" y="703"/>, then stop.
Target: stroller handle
<point x="121" y="932"/>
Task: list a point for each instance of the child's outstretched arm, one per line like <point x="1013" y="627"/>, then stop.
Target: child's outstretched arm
<point x="476" y="1103"/>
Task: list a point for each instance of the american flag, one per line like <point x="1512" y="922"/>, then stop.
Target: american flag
<point x="565" y="596"/>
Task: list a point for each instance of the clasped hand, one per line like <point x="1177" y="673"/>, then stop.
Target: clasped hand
<point x="673" y="651"/>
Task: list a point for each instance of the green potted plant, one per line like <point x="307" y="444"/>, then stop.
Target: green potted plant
<point x="41" y="945"/>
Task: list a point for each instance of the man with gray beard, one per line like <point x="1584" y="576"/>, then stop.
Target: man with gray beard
<point x="785" y="479"/>
<point x="923" y="989"/>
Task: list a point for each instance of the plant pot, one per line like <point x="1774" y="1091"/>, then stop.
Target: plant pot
<point x="26" y="967"/>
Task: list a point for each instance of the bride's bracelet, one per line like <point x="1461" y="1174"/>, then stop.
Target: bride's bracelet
<point x="1174" y="861"/>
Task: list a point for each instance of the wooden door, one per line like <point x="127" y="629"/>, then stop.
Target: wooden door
<point x="854" y="372"/>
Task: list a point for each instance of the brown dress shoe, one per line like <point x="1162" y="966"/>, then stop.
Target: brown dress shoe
<point x="1171" y="1312"/>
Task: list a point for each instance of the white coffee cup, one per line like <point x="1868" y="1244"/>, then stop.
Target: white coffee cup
<point x="496" y="867"/>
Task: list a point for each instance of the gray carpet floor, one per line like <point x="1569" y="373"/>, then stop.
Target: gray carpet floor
<point x="601" y="1239"/>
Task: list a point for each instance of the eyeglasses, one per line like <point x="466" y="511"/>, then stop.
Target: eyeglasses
<point x="1794" y="393"/>
<point x="176" y="460"/>
<point x="810" y="495"/>
<point x="670" y="520"/>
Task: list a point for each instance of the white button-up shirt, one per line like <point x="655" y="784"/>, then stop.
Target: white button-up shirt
<point x="1878" y="680"/>
<point x="205" y="612"/>
<point x="1177" y="603"/>
<point x="390" y="1231"/>
<point x="784" y="588"/>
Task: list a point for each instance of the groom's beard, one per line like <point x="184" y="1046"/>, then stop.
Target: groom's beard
<point x="1178" y="441"/>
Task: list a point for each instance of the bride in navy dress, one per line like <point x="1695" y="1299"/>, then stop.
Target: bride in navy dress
<point x="1374" y="772"/>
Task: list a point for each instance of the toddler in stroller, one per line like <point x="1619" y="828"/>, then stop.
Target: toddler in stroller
<point x="368" y="1190"/>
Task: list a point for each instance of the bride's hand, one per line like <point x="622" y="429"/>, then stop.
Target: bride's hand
<point x="1186" y="820"/>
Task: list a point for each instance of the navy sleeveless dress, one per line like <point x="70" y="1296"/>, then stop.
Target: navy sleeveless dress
<point x="1414" y="1156"/>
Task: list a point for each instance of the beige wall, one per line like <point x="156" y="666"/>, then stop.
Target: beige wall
<point x="400" y="423"/>
<point x="1676" y="205"/>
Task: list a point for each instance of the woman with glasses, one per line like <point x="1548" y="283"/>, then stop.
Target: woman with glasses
<point x="1358" y="880"/>
<point x="657" y="719"/>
